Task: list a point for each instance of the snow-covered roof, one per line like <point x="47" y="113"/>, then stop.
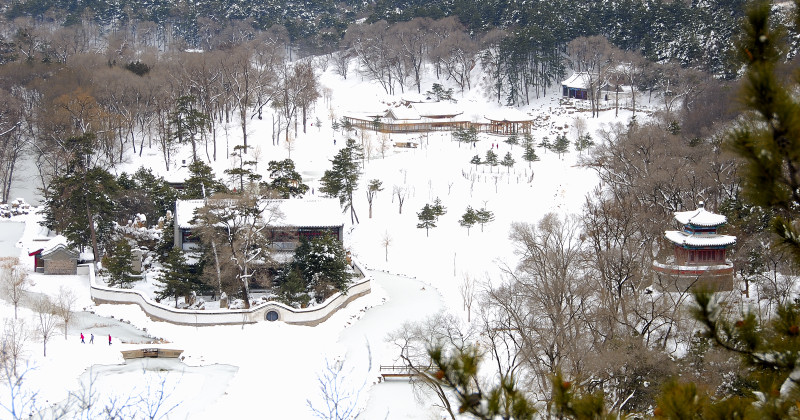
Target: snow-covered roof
<point x="507" y="114"/>
<point x="59" y="241"/>
<point x="414" y="97"/>
<point x="402" y="113"/>
<point x="700" y="217"/>
<point x="704" y="240"/>
<point x="577" y="80"/>
<point x="438" y="109"/>
<point x="320" y="212"/>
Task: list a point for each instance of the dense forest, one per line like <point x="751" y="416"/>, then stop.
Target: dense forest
<point x="693" y="33"/>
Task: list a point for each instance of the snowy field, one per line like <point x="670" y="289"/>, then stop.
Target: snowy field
<point x="270" y="370"/>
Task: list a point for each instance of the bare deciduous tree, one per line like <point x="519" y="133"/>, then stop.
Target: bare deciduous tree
<point x="64" y="306"/>
<point x="401" y="193"/>
<point x="467" y="290"/>
<point x="47" y="320"/>
<point x="545" y="300"/>
<point x="14" y="280"/>
<point x="340" y="401"/>
<point x="415" y="340"/>
<point x="386" y="241"/>
<point x="12" y="348"/>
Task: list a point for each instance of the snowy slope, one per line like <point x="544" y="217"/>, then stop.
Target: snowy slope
<point x="270" y="370"/>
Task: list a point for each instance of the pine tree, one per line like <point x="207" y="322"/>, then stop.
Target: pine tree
<point x="80" y="204"/>
<point x="427" y="218"/>
<point x="458" y="371"/>
<point x="561" y="145"/>
<point x="530" y="155"/>
<point x="468" y="219"/>
<point x="476" y="160"/>
<point x="178" y="277"/>
<point x="484" y="216"/>
<point x="342" y="179"/>
<point x="118" y="264"/>
<point x="438" y="208"/>
<point x="491" y="158"/>
<point x="285" y="179"/>
<point x="512" y="140"/>
<point x="373" y="187"/>
<point x="468" y="135"/>
<point x="243" y="171"/>
<point x="291" y="288"/>
<point x="186" y="123"/>
<point x="508" y="161"/>
<point x="545" y="143"/>
<point x="584" y="142"/>
<point x="201" y="183"/>
<point x="322" y="262"/>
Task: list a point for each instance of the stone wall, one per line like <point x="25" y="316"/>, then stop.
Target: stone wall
<point x="60" y="267"/>
<point x="307" y="316"/>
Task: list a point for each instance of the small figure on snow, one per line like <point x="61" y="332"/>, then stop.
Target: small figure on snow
<point x="334" y="142"/>
<point x="109" y="339"/>
<point x="82" y="342"/>
<point x="91" y="339"/>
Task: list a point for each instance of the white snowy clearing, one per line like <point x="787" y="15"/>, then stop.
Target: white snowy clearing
<point x="270" y="370"/>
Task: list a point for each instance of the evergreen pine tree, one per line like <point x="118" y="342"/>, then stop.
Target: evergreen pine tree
<point x="118" y="264"/>
<point x="508" y="161"/>
<point x="427" y="218"/>
<point x="476" y="160"/>
<point x="201" y="183"/>
<point x="243" y="171"/>
<point x="323" y="264"/>
<point x="530" y="155"/>
<point x="545" y="143"/>
<point x="177" y="278"/>
<point x="484" y="216"/>
<point x="468" y="219"/>
<point x="561" y="145"/>
<point x="512" y="140"/>
<point x="186" y="123"/>
<point x="373" y="187"/>
<point x="291" y="288"/>
<point x="80" y="203"/>
<point x="491" y="158"/>
<point x="584" y="142"/>
<point x="285" y="179"/>
<point x="342" y="179"/>
<point x="438" y="208"/>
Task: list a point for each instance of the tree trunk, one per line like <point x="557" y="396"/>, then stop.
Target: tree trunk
<point x="92" y="233"/>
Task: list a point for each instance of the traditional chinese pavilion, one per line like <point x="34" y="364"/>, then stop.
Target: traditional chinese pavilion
<point x="699" y="258"/>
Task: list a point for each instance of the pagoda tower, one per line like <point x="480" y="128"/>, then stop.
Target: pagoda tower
<point x="699" y="258"/>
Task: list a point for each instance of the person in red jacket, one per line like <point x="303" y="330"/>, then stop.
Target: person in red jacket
<point x="109" y="339"/>
<point x="82" y="342"/>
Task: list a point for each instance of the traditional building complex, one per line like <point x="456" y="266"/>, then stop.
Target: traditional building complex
<point x="440" y="116"/>
<point x="287" y="221"/>
<point x="699" y="258"/>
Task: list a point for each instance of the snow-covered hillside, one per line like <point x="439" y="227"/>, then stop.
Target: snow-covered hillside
<point x="270" y="370"/>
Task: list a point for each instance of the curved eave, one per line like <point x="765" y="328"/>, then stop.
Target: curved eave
<point x="700" y="240"/>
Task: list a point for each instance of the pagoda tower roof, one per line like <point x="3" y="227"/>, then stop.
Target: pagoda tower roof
<point x="700" y="217"/>
<point x="699" y="241"/>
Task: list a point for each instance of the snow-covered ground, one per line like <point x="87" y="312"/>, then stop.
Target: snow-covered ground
<point x="271" y="369"/>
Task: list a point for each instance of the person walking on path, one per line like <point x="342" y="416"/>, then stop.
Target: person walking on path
<point x="82" y="342"/>
<point x="91" y="339"/>
<point x="109" y="339"/>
